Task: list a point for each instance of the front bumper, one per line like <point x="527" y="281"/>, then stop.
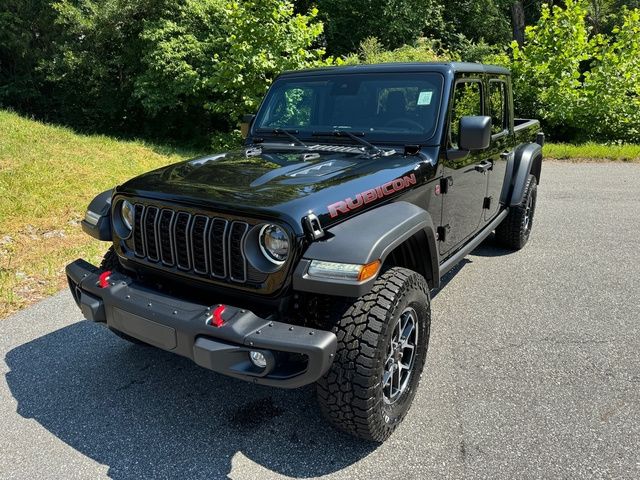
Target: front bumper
<point x="295" y="355"/>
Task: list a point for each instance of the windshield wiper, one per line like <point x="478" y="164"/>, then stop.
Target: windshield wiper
<point x="343" y="133"/>
<point x="290" y="134"/>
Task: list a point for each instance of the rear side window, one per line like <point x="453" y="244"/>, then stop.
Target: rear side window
<point x="498" y="104"/>
<point x="467" y="101"/>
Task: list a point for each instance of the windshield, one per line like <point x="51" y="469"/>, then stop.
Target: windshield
<point x="387" y="107"/>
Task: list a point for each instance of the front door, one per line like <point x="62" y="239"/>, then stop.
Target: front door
<point x="465" y="175"/>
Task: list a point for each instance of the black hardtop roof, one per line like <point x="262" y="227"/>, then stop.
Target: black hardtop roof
<point x="440" y="67"/>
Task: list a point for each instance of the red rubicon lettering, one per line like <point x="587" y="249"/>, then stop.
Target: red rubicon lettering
<point x="337" y="208"/>
<point x="368" y="196"/>
<point x="353" y="204"/>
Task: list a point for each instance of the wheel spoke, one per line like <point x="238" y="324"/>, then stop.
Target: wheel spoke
<point x="409" y="347"/>
<point x="400" y="355"/>
<point x="407" y="331"/>
<point x="386" y="377"/>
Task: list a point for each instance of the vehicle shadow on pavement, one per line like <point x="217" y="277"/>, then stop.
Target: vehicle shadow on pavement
<point x="148" y="413"/>
<point x="491" y="248"/>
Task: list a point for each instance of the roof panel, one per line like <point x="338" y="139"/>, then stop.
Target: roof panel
<point x="440" y="67"/>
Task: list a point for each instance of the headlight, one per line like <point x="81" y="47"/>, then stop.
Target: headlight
<point x="274" y="244"/>
<point x="128" y="214"/>
<point x="123" y="219"/>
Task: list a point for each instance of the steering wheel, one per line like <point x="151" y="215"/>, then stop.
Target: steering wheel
<point x="406" y="121"/>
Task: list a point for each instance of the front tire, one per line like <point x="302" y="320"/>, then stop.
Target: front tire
<point x="382" y="345"/>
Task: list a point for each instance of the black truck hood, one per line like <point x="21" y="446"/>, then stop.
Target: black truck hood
<point x="287" y="183"/>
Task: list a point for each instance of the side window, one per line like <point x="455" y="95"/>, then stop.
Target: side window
<point x="467" y="100"/>
<point x="498" y="104"/>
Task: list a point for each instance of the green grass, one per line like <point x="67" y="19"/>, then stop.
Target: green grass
<point x="48" y="175"/>
<point x="592" y="151"/>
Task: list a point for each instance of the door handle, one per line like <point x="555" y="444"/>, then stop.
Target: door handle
<point x="484" y="166"/>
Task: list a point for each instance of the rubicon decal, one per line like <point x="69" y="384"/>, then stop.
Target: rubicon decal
<point x="368" y="196"/>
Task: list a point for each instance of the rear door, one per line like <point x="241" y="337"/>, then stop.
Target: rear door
<point x="498" y="104"/>
<point x="464" y="179"/>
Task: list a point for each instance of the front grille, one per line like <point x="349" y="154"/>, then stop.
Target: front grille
<point x="205" y="246"/>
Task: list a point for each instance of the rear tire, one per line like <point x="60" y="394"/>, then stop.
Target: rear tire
<point x="382" y="345"/>
<point x="515" y="230"/>
<point x="110" y="262"/>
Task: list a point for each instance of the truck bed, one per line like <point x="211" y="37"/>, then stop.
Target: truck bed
<point x="526" y="130"/>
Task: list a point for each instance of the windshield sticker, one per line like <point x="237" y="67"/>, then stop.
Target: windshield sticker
<point x="425" y="98"/>
<point x="368" y="196"/>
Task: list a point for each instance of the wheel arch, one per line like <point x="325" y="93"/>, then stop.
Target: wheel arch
<point x="527" y="160"/>
<point x="397" y="234"/>
<point x="406" y="255"/>
<point x="97" y="222"/>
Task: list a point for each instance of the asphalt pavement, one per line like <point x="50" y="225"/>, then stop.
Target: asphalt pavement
<point x="533" y="371"/>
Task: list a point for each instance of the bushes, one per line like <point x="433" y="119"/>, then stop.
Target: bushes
<point x="583" y="87"/>
<point x="372" y="51"/>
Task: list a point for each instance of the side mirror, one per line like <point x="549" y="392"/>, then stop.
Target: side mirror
<point x="245" y="124"/>
<point x="475" y="133"/>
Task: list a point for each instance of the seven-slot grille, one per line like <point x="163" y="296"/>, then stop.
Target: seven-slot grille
<point x="196" y="243"/>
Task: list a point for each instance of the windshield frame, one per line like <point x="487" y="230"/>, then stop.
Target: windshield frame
<point x="388" y="138"/>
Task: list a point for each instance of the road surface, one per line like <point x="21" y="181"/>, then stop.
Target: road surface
<point x="533" y="371"/>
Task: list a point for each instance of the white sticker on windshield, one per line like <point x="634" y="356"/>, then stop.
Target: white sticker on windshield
<point x="425" y="98"/>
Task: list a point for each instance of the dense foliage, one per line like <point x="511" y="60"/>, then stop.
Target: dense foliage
<point x="183" y="69"/>
<point x="156" y="68"/>
<point x="584" y="86"/>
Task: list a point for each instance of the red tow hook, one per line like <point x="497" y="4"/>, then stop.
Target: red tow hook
<point x="103" y="279"/>
<point x="216" y="319"/>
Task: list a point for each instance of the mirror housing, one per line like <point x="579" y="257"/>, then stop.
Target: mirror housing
<point x="245" y="124"/>
<point x="475" y="132"/>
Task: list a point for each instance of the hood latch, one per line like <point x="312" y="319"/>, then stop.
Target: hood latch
<point x="312" y="226"/>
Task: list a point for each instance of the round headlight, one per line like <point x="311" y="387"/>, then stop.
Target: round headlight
<point x="128" y="214"/>
<point x="274" y="244"/>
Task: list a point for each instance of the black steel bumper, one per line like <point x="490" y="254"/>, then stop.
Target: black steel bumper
<point x="295" y="355"/>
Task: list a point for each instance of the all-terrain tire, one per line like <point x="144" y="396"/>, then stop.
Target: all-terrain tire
<point x="110" y="262"/>
<point x="515" y="229"/>
<point x="352" y="394"/>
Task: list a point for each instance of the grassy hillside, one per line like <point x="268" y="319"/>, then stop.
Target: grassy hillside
<point x="48" y="175"/>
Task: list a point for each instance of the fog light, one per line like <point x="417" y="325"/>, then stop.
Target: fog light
<point x="258" y="359"/>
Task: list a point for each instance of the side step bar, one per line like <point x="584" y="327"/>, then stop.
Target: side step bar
<point x="469" y="247"/>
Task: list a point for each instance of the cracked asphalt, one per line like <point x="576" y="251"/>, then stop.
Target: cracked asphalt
<point x="533" y="371"/>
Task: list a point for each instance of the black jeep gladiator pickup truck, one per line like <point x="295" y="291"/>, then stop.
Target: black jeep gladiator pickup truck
<point x="309" y="255"/>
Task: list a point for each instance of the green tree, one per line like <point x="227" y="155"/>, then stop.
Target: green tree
<point x="394" y="23"/>
<point x="583" y="86"/>
<point x="26" y="33"/>
<point x="95" y="61"/>
<point x="478" y="20"/>
<point x="610" y="99"/>
<point x="223" y="54"/>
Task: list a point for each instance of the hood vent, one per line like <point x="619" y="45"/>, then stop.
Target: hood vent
<point x="321" y="169"/>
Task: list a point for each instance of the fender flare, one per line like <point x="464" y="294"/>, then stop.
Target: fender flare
<point x="526" y="160"/>
<point x="365" y="238"/>
<point x="97" y="221"/>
